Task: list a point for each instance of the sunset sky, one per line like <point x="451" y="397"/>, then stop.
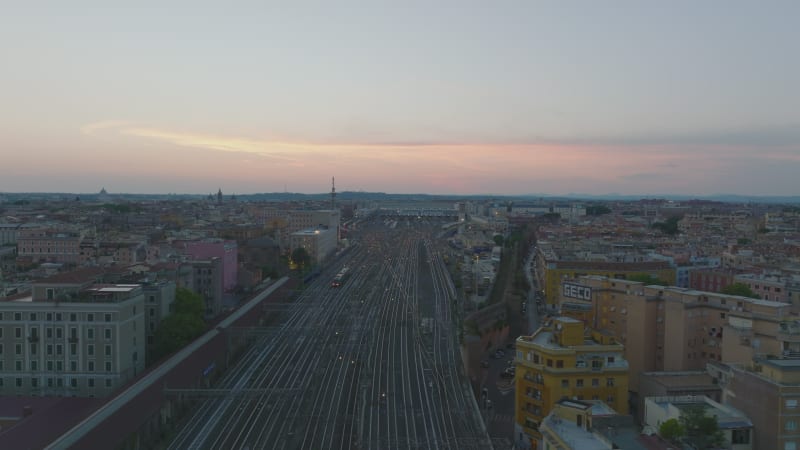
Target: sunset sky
<point x="445" y="97"/>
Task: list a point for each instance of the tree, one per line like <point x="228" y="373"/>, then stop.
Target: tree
<point x="672" y="430"/>
<point x="188" y="302"/>
<point x="701" y="430"/>
<point x="498" y="240"/>
<point x="301" y="257"/>
<point x="669" y="227"/>
<point x="181" y="327"/>
<point x="597" y="210"/>
<point x="739" y="289"/>
<point x="648" y="279"/>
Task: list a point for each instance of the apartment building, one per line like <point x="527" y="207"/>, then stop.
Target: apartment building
<point x="768" y="392"/>
<point x="225" y="250"/>
<point x="565" y="360"/>
<point x="592" y="425"/>
<point x="49" y="245"/>
<point x="557" y="271"/>
<point x="67" y="341"/>
<point x="666" y="328"/>
<point x="736" y="427"/>
<point x="318" y="242"/>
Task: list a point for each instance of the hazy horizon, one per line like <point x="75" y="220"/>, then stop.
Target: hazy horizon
<point x="683" y="98"/>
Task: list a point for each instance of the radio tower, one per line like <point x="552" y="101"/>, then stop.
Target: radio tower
<point x="333" y="192"/>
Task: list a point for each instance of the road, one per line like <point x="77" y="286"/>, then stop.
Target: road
<point x="372" y="364"/>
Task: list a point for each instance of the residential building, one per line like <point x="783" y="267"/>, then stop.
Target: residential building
<point x="736" y="427"/>
<point x="592" y="425"/>
<point x="318" y="242"/>
<point x="565" y="360"/>
<point x="206" y="280"/>
<point x="225" y="250"/>
<point x="71" y="339"/>
<point x="768" y="392"/>
<point x="48" y="245"/>
<point x="696" y="383"/>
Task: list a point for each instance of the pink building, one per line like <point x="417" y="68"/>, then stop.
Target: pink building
<point x="226" y="251"/>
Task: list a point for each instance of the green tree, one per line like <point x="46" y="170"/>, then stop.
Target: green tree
<point x="180" y="327"/>
<point x="597" y="210"/>
<point x="672" y="430"/>
<point x="702" y="430"/>
<point x="670" y="226"/>
<point x="498" y="240"/>
<point x="175" y="332"/>
<point x="188" y="302"/>
<point x="646" y="278"/>
<point x="301" y="257"/>
<point x="740" y="289"/>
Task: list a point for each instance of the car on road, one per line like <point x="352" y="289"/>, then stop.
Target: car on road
<point x="484" y="363"/>
<point x="507" y="374"/>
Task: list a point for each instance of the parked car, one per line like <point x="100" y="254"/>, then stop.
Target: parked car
<point x="484" y="363"/>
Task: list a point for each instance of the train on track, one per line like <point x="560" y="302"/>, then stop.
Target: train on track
<point x="340" y="277"/>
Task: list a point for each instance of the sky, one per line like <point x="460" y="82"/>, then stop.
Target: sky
<point x="440" y="97"/>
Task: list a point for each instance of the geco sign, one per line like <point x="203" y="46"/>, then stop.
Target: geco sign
<point x="576" y="291"/>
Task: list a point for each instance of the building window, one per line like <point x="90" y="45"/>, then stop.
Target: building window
<point x="108" y="350"/>
<point x="107" y="332"/>
<point x="790" y="425"/>
<point x="108" y="366"/>
<point x="90" y="349"/>
<point x="59" y="366"/>
<point x="58" y="317"/>
<point x="90" y="317"/>
<point x="59" y="349"/>
<point x="549" y="363"/>
<point x="90" y="333"/>
<point x="34" y="365"/>
<point x="740" y="437"/>
<point x="48" y="332"/>
<point x="18" y="365"/>
<point x="90" y="382"/>
<point x="59" y="333"/>
<point x="564" y="383"/>
<point x="19" y="382"/>
<point x="50" y="365"/>
<point x="18" y="332"/>
<point x="609" y="382"/>
<point x="90" y="366"/>
<point x="73" y="349"/>
<point x="73" y="366"/>
<point x="579" y="382"/>
<point x="73" y="382"/>
<point x="73" y="317"/>
<point x="32" y="317"/>
<point x="49" y="317"/>
<point x="17" y="316"/>
<point x="790" y="445"/>
<point x="108" y="383"/>
<point x="49" y="349"/>
<point x="559" y="363"/>
<point x="18" y="349"/>
<point x="107" y="317"/>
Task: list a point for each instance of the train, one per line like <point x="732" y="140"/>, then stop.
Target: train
<point x="340" y="278"/>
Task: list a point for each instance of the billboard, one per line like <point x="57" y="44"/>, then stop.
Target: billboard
<point x="578" y="291"/>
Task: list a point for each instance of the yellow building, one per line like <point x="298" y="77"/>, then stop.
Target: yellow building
<point x="556" y="272"/>
<point x="563" y="359"/>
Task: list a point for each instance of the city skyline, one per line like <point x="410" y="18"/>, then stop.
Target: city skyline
<point x="684" y="99"/>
